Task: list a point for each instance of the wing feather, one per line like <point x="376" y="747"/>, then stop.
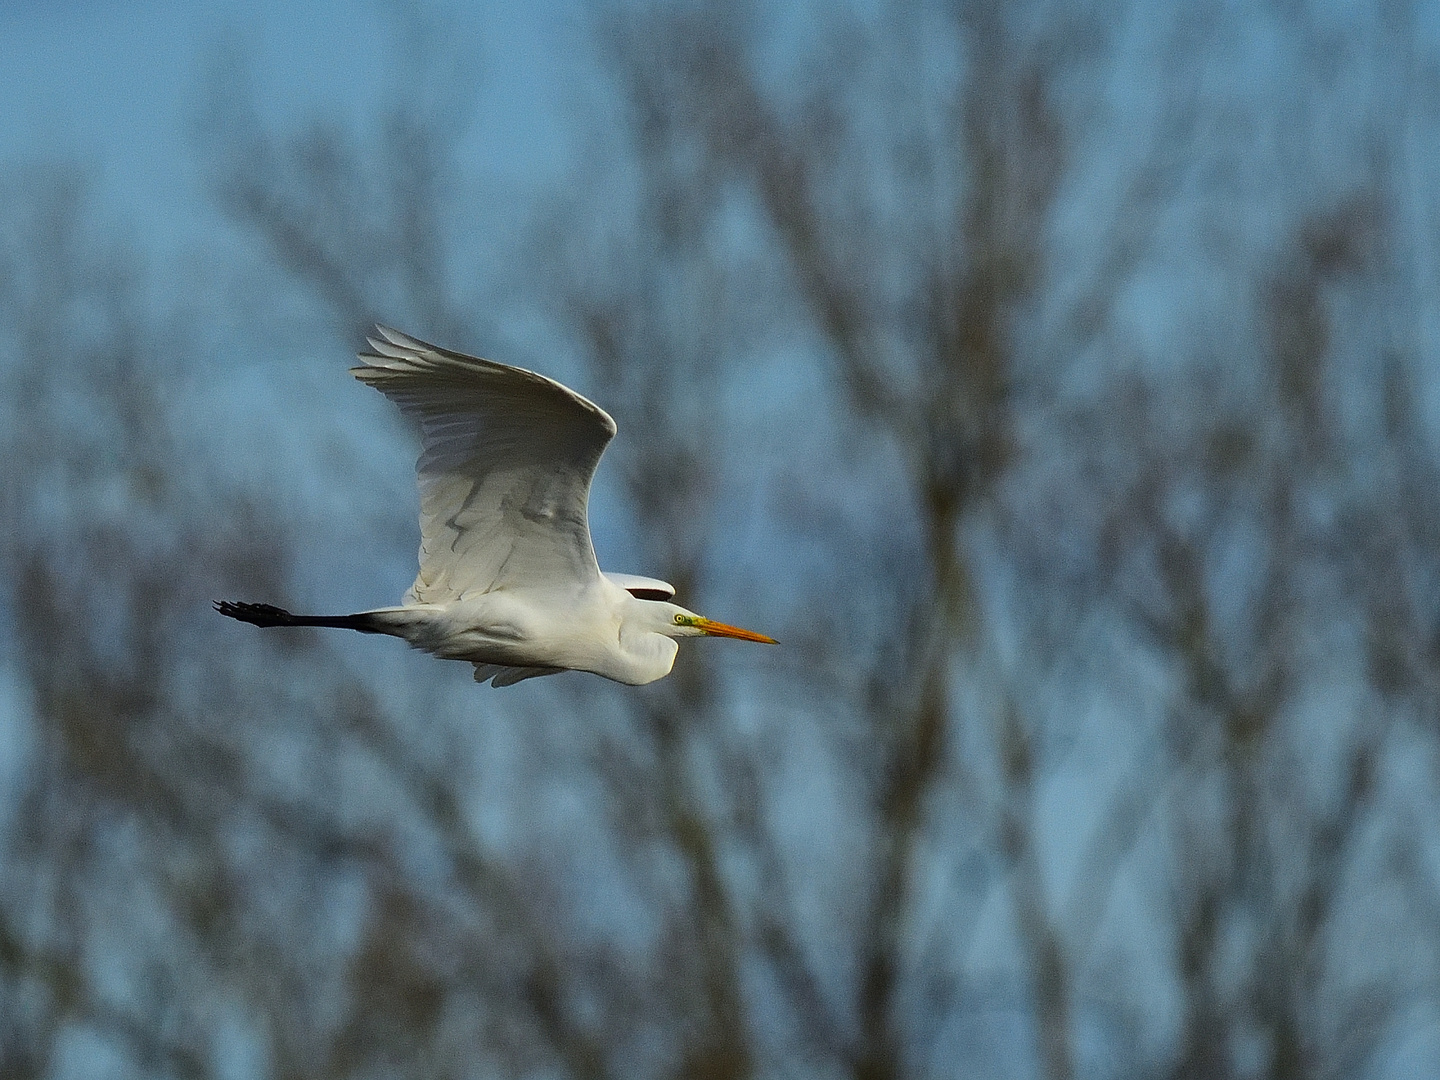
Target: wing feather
<point x="500" y="675"/>
<point x="505" y="471"/>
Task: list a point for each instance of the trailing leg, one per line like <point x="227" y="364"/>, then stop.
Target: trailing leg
<point x="269" y="615"/>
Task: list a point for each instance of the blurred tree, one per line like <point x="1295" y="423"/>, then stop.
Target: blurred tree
<point x="141" y="778"/>
<point x="910" y="184"/>
<point x="1274" y="546"/>
<point x="906" y="194"/>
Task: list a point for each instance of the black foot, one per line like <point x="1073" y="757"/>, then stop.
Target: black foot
<point x="255" y="614"/>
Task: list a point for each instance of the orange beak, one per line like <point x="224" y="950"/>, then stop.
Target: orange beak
<point x="719" y="629"/>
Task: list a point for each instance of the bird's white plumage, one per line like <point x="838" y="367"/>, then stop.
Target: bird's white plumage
<point x="505" y="473"/>
<point x="508" y="579"/>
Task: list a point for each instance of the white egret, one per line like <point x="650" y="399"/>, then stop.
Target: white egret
<point x="508" y="578"/>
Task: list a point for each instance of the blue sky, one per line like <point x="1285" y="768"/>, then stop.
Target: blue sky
<point x="113" y="86"/>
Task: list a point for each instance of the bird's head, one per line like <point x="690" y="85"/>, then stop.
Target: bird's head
<point x="679" y="623"/>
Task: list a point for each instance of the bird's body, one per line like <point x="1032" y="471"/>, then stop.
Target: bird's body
<point x="598" y="628"/>
<point x="508" y="578"/>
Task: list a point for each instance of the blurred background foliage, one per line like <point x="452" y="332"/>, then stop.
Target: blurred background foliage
<point x="1056" y="379"/>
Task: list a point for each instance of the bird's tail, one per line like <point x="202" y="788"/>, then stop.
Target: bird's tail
<point x="269" y="615"/>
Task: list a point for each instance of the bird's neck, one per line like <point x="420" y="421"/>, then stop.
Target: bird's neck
<point x="644" y="656"/>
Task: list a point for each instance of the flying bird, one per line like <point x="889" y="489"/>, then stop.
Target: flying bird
<point x="508" y="577"/>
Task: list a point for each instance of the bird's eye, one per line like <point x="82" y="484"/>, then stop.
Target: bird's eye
<point x="680" y="620"/>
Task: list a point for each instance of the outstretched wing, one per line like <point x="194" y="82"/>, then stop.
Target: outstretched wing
<point x="505" y="472"/>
